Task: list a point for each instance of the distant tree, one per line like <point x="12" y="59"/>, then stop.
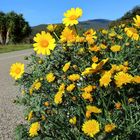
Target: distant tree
<point x="13" y="28"/>
<point x="2" y="27"/>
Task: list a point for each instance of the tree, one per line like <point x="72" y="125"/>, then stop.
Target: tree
<point x="13" y="27"/>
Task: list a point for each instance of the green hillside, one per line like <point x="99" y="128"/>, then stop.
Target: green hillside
<point x="96" y="24"/>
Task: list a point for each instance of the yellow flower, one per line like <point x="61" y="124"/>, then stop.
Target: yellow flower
<point x="105" y="79"/>
<point x="95" y="59"/>
<point x="131" y="100"/>
<point x="66" y="66"/>
<point x="136" y="79"/>
<point x="36" y="85"/>
<point x="34" y="128"/>
<point x="93" y="109"/>
<point x="95" y="67"/>
<point x="137" y="21"/>
<point x="91" y="128"/>
<point x="46" y="103"/>
<point x="88" y="88"/>
<point x="44" y="43"/>
<point x="88" y="114"/>
<point x="110" y="127"/>
<point x="90" y="36"/>
<point x="102" y="46"/>
<point x="58" y="97"/>
<point x="87" y="96"/>
<point x="119" y="37"/>
<point x="68" y="36"/>
<point x="70" y="87"/>
<point x="115" y="48"/>
<point x="90" y="32"/>
<point x="50" y="77"/>
<point x="104" y="31"/>
<point x="30" y="115"/>
<point x="80" y="39"/>
<point x="73" y="120"/>
<point x="74" y="77"/>
<point x="125" y="63"/>
<point x="81" y="51"/>
<point x="17" y="70"/>
<point x="51" y="27"/>
<point x="122" y="78"/>
<point x="71" y="16"/>
<point x="31" y="91"/>
<point x="62" y="87"/>
<point x="132" y="33"/>
<point x="94" y="48"/>
<point x="112" y="34"/>
<point x="23" y="92"/>
<point x="43" y="117"/>
<point x="118" y="105"/>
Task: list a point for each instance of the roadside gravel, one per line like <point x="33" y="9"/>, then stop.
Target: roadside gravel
<point x="10" y="114"/>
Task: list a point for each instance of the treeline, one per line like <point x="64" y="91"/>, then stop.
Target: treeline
<point x="13" y="28"/>
<point x="127" y="18"/>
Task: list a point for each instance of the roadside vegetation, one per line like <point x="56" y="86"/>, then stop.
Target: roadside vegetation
<point x="17" y="47"/>
<point x="85" y="89"/>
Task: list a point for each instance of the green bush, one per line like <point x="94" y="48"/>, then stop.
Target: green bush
<point x="87" y="88"/>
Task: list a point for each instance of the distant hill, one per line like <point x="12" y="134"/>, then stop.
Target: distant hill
<point x="96" y="24"/>
<point x="127" y="17"/>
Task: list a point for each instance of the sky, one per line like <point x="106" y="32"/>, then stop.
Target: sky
<point x="51" y="11"/>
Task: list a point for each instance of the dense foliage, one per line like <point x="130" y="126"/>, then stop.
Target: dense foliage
<point x="85" y="87"/>
<point x="13" y="28"/>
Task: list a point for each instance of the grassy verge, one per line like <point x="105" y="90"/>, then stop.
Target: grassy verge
<point x="10" y="48"/>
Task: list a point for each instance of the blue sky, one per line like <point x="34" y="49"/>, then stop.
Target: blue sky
<point x="51" y="11"/>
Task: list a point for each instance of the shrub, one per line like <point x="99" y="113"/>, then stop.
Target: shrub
<point x="85" y="87"/>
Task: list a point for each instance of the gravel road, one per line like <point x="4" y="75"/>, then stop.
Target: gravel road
<point x="10" y="114"/>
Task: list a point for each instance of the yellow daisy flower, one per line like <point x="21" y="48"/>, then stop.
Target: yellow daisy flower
<point x="50" y="77"/>
<point x="70" y="87"/>
<point x="91" y="128"/>
<point x="66" y="66"/>
<point x="110" y="127"/>
<point x="73" y="120"/>
<point x="122" y="78"/>
<point x="68" y="36"/>
<point x="17" y="70"/>
<point x="71" y="16"/>
<point x="137" y="21"/>
<point x="136" y="79"/>
<point x="30" y="115"/>
<point x="58" y="97"/>
<point x="93" y="109"/>
<point x="74" y="77"/>
<point x="105" y="79"/>
<point x="132" y="33"/>
<point x="95" y="59"/>
<point x="44" y="43"/>
<point x="51" y="27"/>
<point x="115" y="48"/>
<point x="34" y="128"/>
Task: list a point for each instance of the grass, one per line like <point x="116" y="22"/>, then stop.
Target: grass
<point x="10" y="48"/>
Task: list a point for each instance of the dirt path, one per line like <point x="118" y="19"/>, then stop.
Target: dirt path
<point x="10" y="114"/>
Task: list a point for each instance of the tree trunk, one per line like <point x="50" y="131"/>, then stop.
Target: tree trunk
<point x="7" y="37"/>
<point x="1" y="39"/>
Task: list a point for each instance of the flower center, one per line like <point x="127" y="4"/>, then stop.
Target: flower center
<point x="73" y="17"/>
<point x="44" y="43"/>
<point x="18" y="70"/>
